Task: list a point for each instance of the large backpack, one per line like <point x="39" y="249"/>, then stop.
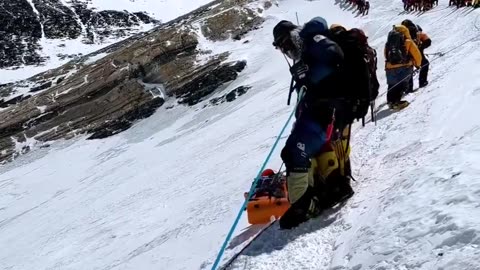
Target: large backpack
<point x="396" y="52"/>
<point x="359" y="70"/>
<point x="359" y="84"/>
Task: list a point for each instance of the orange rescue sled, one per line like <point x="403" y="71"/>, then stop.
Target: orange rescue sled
<point x="270" y="198"/>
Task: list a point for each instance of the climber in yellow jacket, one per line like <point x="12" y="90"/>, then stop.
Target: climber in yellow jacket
<point x="423" y="41"/>
<point x="401" y="55"/>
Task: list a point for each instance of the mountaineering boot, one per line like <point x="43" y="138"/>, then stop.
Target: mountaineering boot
<point x="304" y="209"/>
<point x="303" y="205"/>
<point x="345" y="190"/>
<point x="398" y="105"/>
<point x="423" y="84"/>
<point x="292" y="218"/>
<point x="335" y="191"/>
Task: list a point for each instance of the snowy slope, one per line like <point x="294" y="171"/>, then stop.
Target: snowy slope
<point x="163" y="194"/>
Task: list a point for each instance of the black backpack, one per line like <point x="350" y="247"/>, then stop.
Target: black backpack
<point x="359" y="71"/>
<point x="395" y="48"/>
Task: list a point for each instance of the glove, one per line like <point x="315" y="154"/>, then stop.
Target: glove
<point x="299" y="73"/>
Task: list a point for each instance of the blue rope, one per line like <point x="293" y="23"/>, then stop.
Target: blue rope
<point x="250" y="193"/>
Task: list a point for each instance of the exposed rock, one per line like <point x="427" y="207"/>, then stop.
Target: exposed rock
<point x="71" y="56"/>
<point x="231" y="96"/>
<point x="105" y="92"/>
<point x="142" y="16"/>
<point x="207" y="80"/>
<point x="25" y="22"/>
<point x="124" y="122"/>
<point x="267" y="4"/>
<point x="235" y="93"/>
<point x="41" y="87"/>
<point x="7" y="147"/>
<point x="58" y="20"/>
<point x="232" y="23"/>
<point x="15" y="100"/>
<point x="6" y="89"/>
<point x="20" y="31"/>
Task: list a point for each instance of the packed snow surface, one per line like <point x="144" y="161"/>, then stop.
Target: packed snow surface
<point x="163" y="194"/>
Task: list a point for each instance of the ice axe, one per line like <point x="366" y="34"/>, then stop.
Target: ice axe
<point x="372" y="111"/>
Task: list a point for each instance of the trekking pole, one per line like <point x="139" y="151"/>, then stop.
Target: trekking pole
<point x="372" y="109"/>
<point x="290" y="92"/>
<point x="291" y="82"/>
<point x="433" y="54"/>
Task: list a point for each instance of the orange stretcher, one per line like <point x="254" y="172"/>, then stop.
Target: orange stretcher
<point x="269" y="200"/>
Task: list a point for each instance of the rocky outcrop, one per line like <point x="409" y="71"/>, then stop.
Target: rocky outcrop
<point x="231" y="96"/>
<point x="20" y="31"/>
<point x="25" y="22"/>
<point x="103" y="93"/>
<point x="236" y="22"/>
<point x="58" y="20"/>
<point x="107" y="23"/>
<point x="207" y="79"/>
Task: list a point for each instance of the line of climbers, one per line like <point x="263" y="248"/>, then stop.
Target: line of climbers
<point x="362" y="6"/>
<point x="425" y="5"/>
<point x="317" y="151"/>
<point x="464" y="3"/>
<point x="419" y="5"/>
<point x="404" y="51"/>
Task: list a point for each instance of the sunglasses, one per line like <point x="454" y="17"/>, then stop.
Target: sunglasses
<point x="283" y="44"/>
<point x="280" y="42"/>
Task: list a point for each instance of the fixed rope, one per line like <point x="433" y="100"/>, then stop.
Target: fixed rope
<point x="252" y="188"/>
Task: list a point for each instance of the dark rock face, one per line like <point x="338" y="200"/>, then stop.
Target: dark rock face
<point x="15" y="100"/>
<point x="106" y="96"/>
<point x="20" y="31"/>
<point x="231" y="96"/>
<point x="143" y="17"/>
<point x="22" y="25"/>
<point x="236" y="22"/>
<point x="41" y="87"/>
<point x="108" y="23"/>
<point x="206" y="83"/>
<point x="125" y="121"/>
<point x="235" y="93"/>
<point x="58" y="20"/>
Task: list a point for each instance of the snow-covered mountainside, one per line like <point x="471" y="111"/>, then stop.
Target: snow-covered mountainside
<point x="163" y="194"/>
<point x="105" y="92"/>
<point x="37" y="35"/>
